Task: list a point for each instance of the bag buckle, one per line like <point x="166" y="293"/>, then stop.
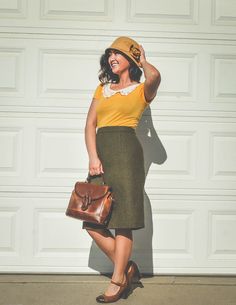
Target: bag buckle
<point x="86" y="200"/>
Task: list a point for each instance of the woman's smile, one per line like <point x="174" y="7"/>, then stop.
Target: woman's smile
<point x="114" y="63"/>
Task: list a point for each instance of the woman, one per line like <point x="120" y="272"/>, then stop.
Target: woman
<point x="116" y="153"/>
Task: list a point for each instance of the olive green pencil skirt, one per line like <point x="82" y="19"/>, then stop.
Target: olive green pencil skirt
<point x="121" y="155"/>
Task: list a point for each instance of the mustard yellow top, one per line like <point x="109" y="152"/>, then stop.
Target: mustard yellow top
<point x="120" y="109"/>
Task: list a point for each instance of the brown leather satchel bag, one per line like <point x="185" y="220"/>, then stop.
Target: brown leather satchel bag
<point x="91" y="202"/>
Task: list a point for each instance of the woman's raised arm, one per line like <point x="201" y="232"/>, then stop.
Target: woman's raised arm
<point x="152" y="77"/>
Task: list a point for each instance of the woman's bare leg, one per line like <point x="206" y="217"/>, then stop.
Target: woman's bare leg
<point x="123" y="250"/>
<point x="105" y="241"/>
<point x="118" y="249"/>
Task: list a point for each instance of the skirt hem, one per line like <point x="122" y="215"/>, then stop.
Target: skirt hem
<point x="110" y="228"/>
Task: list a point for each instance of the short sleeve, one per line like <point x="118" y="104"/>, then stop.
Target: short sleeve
<point x="141" y="94"/>
<point x="97" y="92"/>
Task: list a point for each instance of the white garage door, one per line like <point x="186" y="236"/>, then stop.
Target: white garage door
<point x="49" y="61"/>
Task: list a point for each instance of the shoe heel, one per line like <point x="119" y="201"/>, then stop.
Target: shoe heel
<point x="137" y="275"/>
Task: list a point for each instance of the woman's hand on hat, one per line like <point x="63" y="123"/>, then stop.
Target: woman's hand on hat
<point x="142" y="56"/>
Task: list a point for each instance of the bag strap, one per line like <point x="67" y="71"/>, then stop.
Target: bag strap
<point x="90" y="177"/>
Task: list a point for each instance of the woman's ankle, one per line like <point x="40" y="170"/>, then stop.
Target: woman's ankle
<point x="119" y="278"/>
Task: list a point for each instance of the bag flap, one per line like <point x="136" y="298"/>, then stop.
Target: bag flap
<point x="94" y="191"/>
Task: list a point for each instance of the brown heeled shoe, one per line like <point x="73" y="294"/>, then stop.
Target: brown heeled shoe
<point x="132" y="273"/>
<point x="123" y="291"/>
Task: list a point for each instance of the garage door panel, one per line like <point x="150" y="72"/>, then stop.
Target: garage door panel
<point x="54" y="153"/>
<point x="181" y="234"/>
<point x="222" y="226"/>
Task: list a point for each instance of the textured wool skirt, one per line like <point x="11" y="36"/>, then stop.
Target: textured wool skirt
<point x="121" y="155"/>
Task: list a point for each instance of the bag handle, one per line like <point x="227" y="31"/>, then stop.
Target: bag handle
<point x="89" y="178"/>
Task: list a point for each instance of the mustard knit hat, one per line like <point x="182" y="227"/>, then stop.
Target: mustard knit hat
<point x="127" y="46"/>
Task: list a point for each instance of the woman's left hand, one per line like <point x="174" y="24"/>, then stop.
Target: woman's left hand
<point x="142" y="56"/>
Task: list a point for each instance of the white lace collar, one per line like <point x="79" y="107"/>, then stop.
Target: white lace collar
<point x="107" y="91"/>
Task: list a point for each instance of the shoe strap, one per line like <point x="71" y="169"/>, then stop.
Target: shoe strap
<point x="119" y="284"/>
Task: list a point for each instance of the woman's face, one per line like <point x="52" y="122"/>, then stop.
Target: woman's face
<point x="117" y="62"/>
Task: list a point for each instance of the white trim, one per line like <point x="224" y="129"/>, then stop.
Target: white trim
<point x="108" y="92"/>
